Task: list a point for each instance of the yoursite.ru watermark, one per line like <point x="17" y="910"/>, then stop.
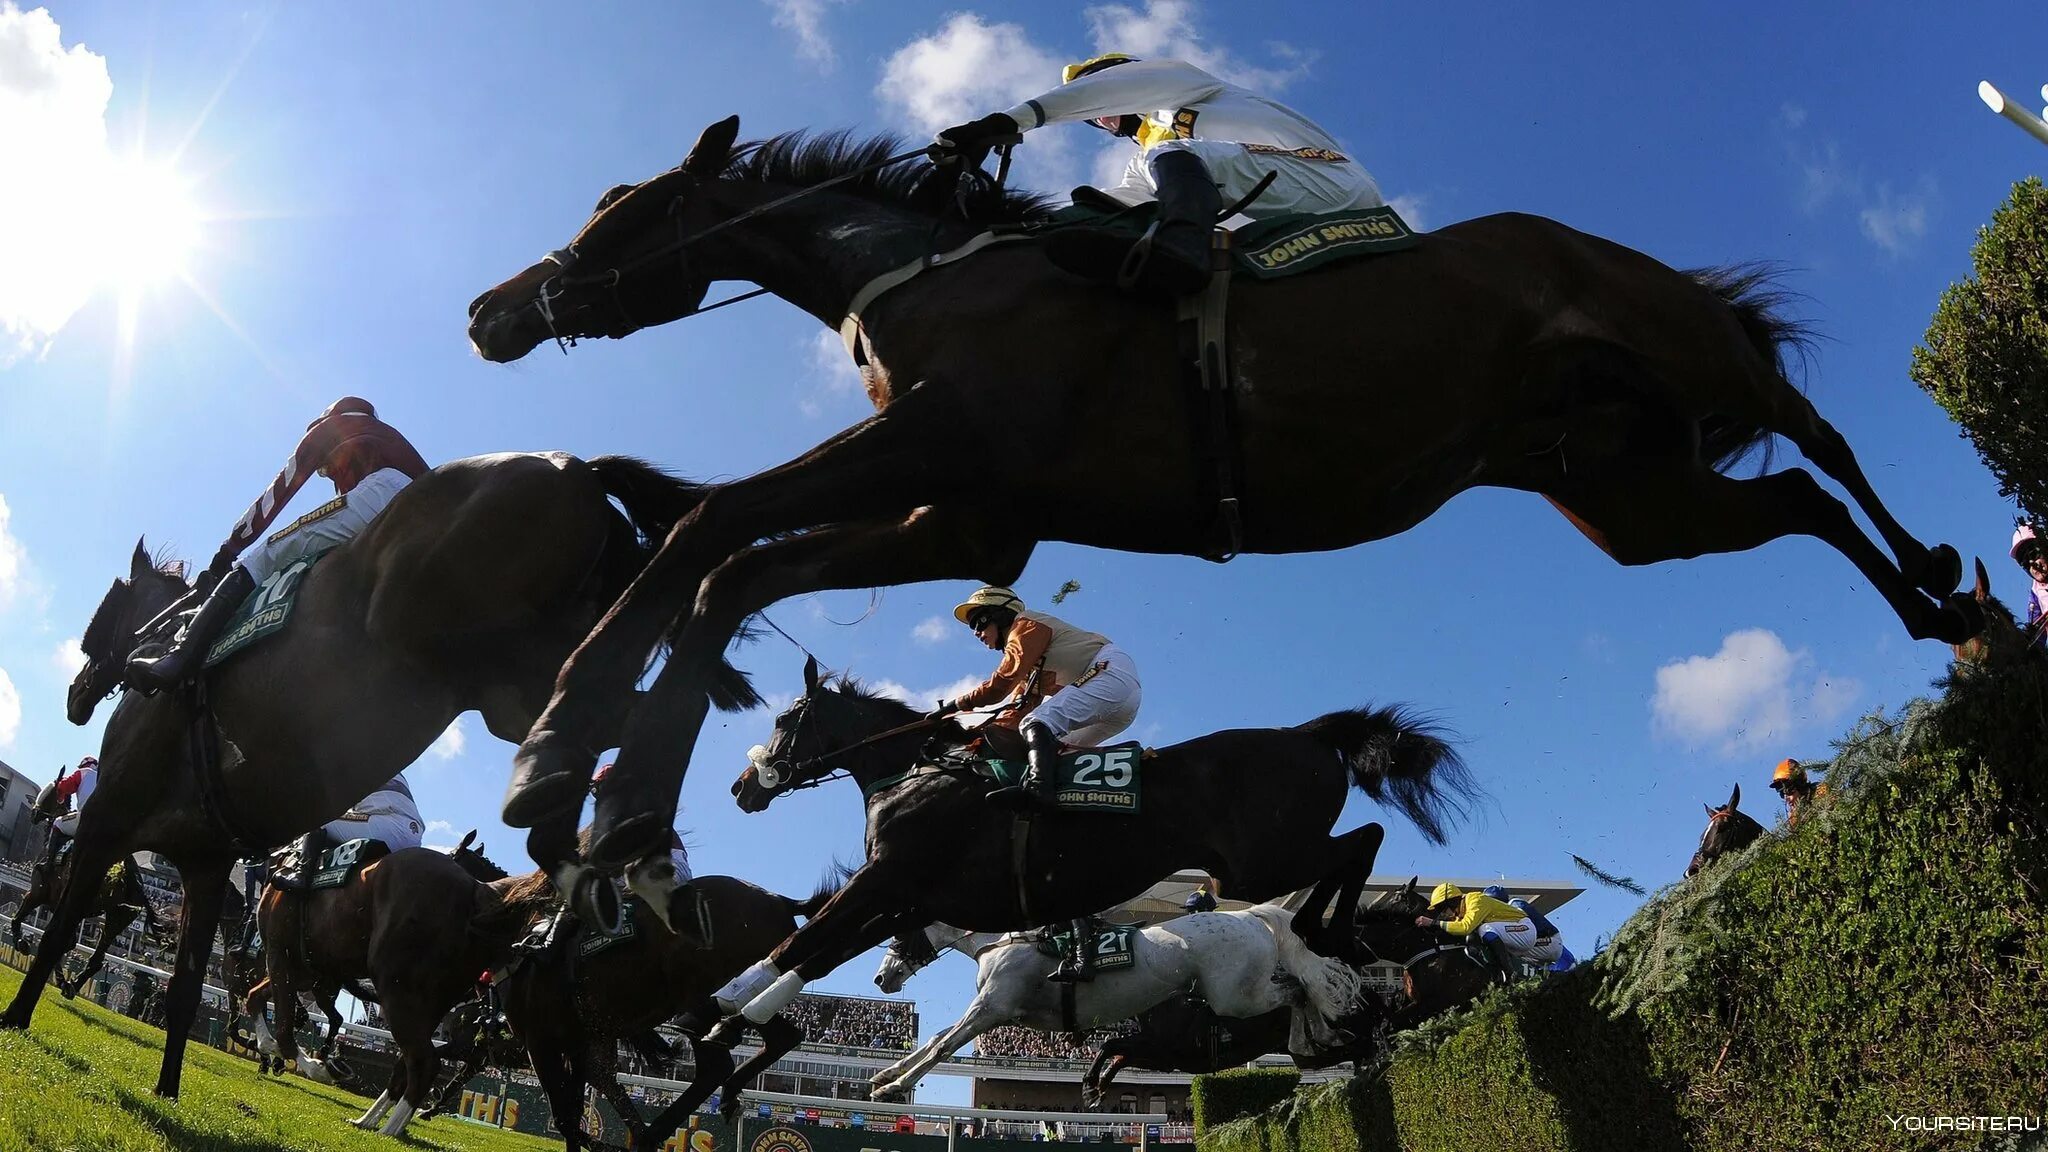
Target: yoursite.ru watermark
<point x="1964" y="1123"/>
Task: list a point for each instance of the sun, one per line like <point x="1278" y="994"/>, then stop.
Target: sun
<point x="148" y="226"/>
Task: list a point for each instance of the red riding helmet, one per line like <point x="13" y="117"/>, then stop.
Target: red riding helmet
<point x="348" y="405"/>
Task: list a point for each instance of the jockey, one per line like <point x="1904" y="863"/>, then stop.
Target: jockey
<point x="1067" y="686"/>
<point x="387" y="815"/>
<point x="76" y="788"/>
<point x="2028" y="553"/>
<point x="1200" y="900"/>
<point x="1789" y="781"/>
<point x="367" y="460"/>
<point x="1201" y="142"/>
<point x="1504" y="932"/>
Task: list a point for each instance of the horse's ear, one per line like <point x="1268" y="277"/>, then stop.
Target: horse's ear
<point x="810" y="675"/>
<point x="708" y="156"/>
<point x="1735" y="798"/>
<point x="1983" y="589"/>
<point x="1710" y="809"/>
<point x="467" y="839"/>
<point x="138" y="564"/>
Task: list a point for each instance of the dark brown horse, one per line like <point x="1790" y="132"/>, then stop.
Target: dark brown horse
<point x="1728" y="830"/>
<point x="325" y="941"/>
<point x="571" y="1011"/>
<point x="467" y="593"/>
<point x="117" y="901"/>
<point x="1251" y="807"/>
<point x="1508" y="351"/>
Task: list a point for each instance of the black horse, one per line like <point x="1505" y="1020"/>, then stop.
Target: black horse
<point x="1252" y="807"/>
<point x="1507" y="351"/>
<point x="1728" y="830"/>
<point x="118" y="901"/>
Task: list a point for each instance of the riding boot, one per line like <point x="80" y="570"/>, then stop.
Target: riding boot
<point x="1172" y="257"/>
<point x="1040" y="784"/>
<point x="1078" y="965"/>
<point x="1504" y="960"/>
<point x="182" y="662"/>
<point x="311" y="845"/>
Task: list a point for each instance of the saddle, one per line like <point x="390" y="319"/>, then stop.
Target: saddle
<point x="334" y="868"/>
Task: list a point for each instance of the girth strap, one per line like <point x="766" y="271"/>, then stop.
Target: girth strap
<point x="1205" y="354"/>
<point x="205" y="752"/>
<point x="1020" y="853"/>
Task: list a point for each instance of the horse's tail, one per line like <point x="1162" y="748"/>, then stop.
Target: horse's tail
<point x="655" y="501"/>
<point x="829" y="884"/>
<point x="1401" y="759"/>
<point x="1752" y="291"/>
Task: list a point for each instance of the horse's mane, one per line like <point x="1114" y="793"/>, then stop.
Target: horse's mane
<point x="478" y="865"/>
<point x="804" y="158"/>
<point x="846" y="685"/>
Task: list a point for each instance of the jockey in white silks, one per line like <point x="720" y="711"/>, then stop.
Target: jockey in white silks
<point x="77" y="788"/>
<point x="388" y="815"/>
<point x="1202" y="142"/>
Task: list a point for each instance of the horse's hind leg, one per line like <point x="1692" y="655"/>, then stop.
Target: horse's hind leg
<point x="1665" y="510"/>
<point x="713" y="1063"/>
<point x="1937" y="570"/>
<point x="204" y="888"/>
<point x="112" y="924"/>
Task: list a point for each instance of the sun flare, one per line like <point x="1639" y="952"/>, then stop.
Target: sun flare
<point x="149" y="227"/>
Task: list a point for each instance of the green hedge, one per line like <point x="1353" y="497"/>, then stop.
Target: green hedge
<point x="1240" y="1092"/>
<point x="1890" y="959"/>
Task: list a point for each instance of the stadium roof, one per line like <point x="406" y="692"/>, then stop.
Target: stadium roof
<point x="1163" y="900"/>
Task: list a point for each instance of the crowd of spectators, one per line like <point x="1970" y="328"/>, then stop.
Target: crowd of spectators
<point x="1013" y="1042"/>
<point x="854" y="1022"/>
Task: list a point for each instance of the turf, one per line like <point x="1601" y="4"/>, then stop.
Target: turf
<point x="80" y="1079"/>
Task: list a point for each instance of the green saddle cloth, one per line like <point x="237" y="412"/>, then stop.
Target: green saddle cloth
<point x="338" y="865"/>
<point x="594" y="942"/>
<point x="1109" y="945"/>
<point x="266" y="611"/>
<point x="1276" y="246"/>
<point x="1090" y="779"/>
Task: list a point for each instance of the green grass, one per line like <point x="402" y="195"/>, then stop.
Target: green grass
<point x="79" y="1080"/>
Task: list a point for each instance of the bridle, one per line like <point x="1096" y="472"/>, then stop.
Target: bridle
<point x="567" y="259"/>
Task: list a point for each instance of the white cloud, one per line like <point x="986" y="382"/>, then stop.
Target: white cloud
<point x="965" y="70"/>
<point x="53" y="132"/>
<point x="10" y="710"/>
<point x="926" y="698"/>
<point x="1749" y="696"/>
<point x="434" y="826"/>
<point x="1895" y="222"/>
<point x="1166" y="28"/>
<point x="933" y="629"/>
<point x="806" y="18"/>
<point x="13" y="557"/>
<point x="1414" y="208"/>
<point x="449" y="744"/>
<point x="68" y="656"/>
<point x="837" y="379"/>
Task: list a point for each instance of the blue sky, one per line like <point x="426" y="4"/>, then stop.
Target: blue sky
<point x="364" y="171"/>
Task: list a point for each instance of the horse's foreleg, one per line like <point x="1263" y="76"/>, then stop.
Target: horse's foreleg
<point x="982" y="1014"/>
<point x="112" y="924"/>
<point x="603" y="1065"/>
<point x="1657" y="510"/>
<point x="637" y="804"/>
<point x="778" y="1037"/>
<point x="204" y="885"/>
<point x="713" y="1063"/>
<point x="73" y="902"/>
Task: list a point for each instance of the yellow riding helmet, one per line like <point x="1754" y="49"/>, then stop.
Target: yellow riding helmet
<point x="1445" y="892"/>
<point x="1073" y="72"/>
<point x="989" y="597"/>
<point x="1788" y="770"/>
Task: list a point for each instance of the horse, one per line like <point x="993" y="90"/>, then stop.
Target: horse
<point x="466" y="593"/>
<point x="117" y="900"/>
<point x="936" y="850"/>
<point x="323" y="942"/>
<point x="1506" y="351"/>
<point x="1728" y="830"/>
<point x="1246" y="965"/>
<point x="571" y="1010"/>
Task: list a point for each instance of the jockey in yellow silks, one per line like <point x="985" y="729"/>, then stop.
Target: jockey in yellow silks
<point x="1201" y="141"/>
<point x="1502" y="930"/>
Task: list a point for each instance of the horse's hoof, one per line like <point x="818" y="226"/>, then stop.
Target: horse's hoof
<point x="549" y="775"/>
<point x="727" y="1032"/>
<point x="615" y="845"/>
<point x="1961" y="618"/>
<point x="1941" y="572"/>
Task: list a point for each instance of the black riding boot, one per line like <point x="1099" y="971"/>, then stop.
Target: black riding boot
<point x="1504" y="960"/>
<point x="311" y="845"/>
<point x="1173" y="257"/>
<point x="181" y="663"/>
<point x="1078" y="965"/>
<point x="1041" y="773"/>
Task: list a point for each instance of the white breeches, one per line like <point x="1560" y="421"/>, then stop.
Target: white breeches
<point x="1091" y="713"/>
<point x="321" y="529"/>
<point x="387" y="816"/>
<point x="1519" y="935"/>
<point x="1298" y="185"/>
<point x="67" y="823"/>
<point x="1545" y="951"/>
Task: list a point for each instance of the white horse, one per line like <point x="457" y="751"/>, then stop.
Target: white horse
<point x="1244" y="964"/>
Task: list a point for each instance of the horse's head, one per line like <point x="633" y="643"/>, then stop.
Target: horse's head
<point x="49" y="805"/>
<point x="912" y="952"/>
<point x="111" y="636"/>
<point x="1728" y="830"/>
<point x="629" y="267"/>
<point x="827" y="719"/>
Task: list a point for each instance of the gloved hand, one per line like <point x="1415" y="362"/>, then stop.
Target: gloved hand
<point x="946" y="708"/>
<point x="968" y="143"/>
